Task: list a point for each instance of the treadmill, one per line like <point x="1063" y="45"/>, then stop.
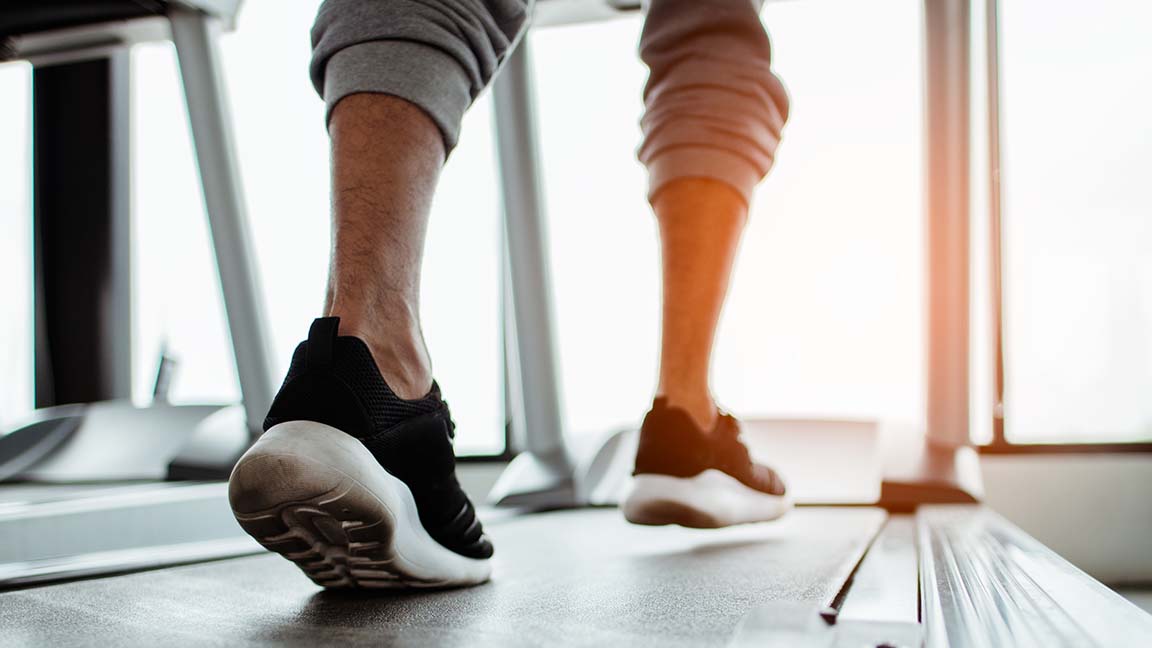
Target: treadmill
<point x="911" y="558"/>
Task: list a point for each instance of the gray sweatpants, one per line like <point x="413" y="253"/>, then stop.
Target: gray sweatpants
<point x="713" y="107"/>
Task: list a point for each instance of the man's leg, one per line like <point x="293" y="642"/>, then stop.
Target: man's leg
<point x="700" y="223"/>
<point x="354" y="478"/>
<point x="714" y="112"/>
<point x="386" y="159"/>
<point x="395" y="103"/>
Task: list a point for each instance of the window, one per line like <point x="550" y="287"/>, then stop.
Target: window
<point x="15" y="242"/>
<point x="1077" y="216"/>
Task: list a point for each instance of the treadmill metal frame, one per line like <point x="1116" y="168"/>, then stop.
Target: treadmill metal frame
<point x="195" y="35"/>
<point x="115" y="528"/>
<point x="544" y="473"/>
<point x="947" y="177"/>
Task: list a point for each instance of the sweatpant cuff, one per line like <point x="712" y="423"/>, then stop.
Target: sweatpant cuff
<point x="420" y="74"/>
<point x="702" y="162"/>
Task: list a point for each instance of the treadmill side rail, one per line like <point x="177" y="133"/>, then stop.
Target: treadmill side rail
<point x="117" y="529"/>
<point x="985" y="582"/>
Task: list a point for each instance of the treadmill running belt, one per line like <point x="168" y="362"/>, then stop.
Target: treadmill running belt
<point x="569" y="578"/>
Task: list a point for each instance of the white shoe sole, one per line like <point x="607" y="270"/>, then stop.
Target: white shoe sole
<point x="708" y="500"/>
<point x="317" y="496"/>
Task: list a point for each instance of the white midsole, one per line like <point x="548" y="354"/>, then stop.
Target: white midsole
<point x="416" y="553"/>
<point x="712" y="493"/>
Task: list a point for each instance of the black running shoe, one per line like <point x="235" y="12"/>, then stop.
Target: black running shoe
<point x="699" y="479"/>
<point x="354" y="484"/>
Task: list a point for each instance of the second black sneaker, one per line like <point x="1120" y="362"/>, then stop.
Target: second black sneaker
<point x="695" y="478"/>
<point x="354" y="484"/>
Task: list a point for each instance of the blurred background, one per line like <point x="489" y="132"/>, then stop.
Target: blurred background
<point x="825" y="317"/>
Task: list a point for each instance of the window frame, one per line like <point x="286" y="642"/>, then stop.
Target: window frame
<point x="1000" y="444"/>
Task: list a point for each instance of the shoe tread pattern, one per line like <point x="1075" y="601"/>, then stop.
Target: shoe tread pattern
<point x="341" y="539"/>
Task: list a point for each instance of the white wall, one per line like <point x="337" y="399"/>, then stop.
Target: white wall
<point x="1095" y="510"/>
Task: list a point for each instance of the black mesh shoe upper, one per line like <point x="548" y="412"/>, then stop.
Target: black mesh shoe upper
<point x="671" y="444"/>
<point x="335" y="381"/>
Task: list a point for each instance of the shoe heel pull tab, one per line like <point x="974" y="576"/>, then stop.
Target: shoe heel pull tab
<point x="322" y="342"/>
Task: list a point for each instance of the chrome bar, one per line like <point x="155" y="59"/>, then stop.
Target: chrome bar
<point x="194" y="34"/>
<point x="947" y="213"/>
<point x="987" y="583"/>
<point x="536" y="393"/>
<point x="995" y="216"/>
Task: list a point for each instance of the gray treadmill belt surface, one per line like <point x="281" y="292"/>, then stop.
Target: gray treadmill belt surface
<point x="569" y="578"/>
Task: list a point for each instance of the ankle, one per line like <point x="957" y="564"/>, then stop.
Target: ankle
<point x="699" y="406"/>
<point x="405" y="368"/>
<point x="400" y="355"/>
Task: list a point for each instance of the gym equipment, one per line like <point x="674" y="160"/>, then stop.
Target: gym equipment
<point x="56" y="532"/>
<point x="79" y="50"/>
